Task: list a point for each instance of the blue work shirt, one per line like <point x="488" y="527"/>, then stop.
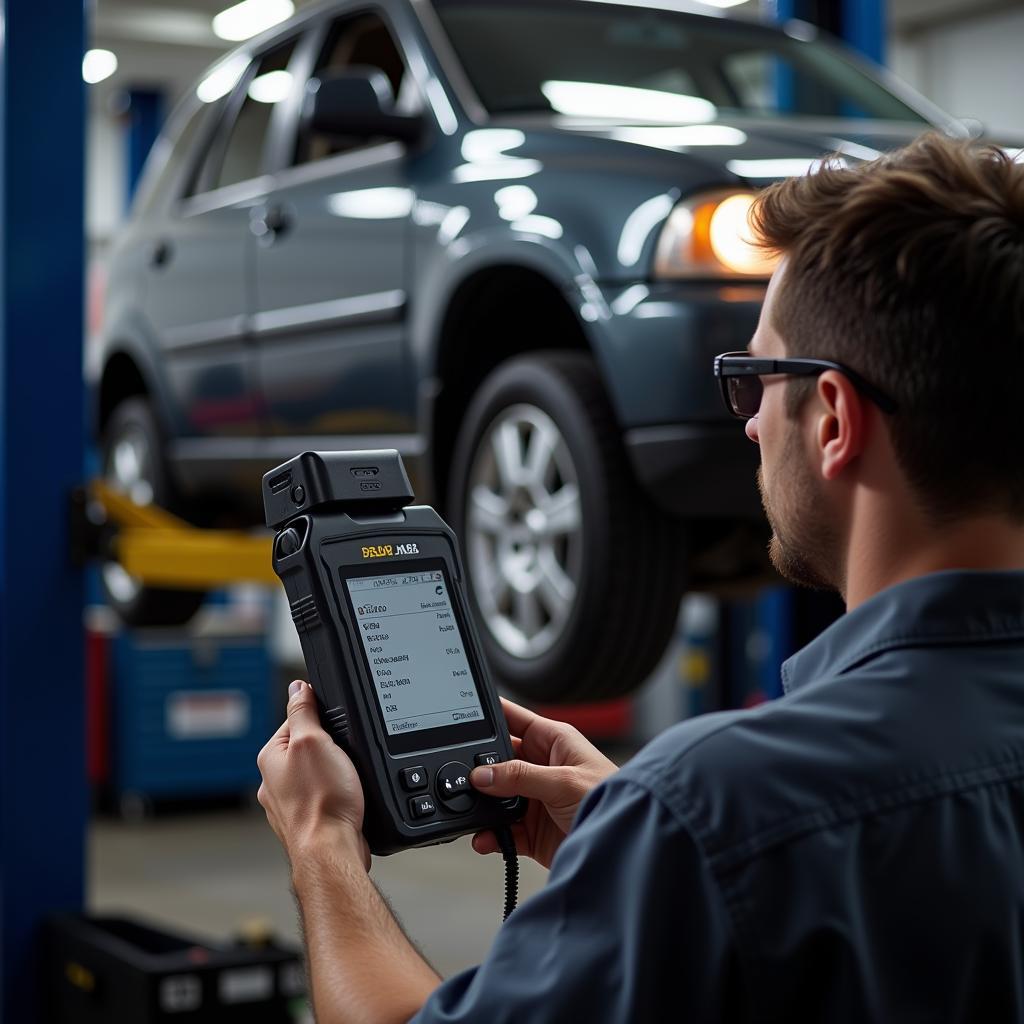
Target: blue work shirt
<point x="851" y="852"/>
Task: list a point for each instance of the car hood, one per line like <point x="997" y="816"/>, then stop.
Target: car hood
<point x="749" y="150"/>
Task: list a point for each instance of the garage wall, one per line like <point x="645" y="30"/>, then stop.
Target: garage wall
<point x="971" y="66"/>
<point x="105" y="171"/>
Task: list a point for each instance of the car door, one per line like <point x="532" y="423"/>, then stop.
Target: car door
<point x="331" y="267"/>
<point x="198" y="299"/>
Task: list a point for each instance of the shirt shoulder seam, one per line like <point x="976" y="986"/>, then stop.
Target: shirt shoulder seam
<point x="732" y="856"/>
<point x="896" y="643"/>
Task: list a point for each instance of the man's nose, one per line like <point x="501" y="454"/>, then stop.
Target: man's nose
<point x="751" y="428"/>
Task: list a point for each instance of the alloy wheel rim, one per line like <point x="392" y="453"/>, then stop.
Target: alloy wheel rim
<point x="524" y="530"/>
<point x="129" y="470"/>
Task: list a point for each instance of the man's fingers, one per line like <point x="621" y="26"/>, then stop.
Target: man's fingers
<point x="302" y="713"/>
<point x="519" y="718"/>
<point x="487" y="842"/>
<point x="521" y="778"/>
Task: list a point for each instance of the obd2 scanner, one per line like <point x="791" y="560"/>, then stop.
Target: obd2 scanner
<point x="377" y="594"/>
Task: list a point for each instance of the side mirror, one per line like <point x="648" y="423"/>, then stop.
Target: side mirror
<point x="357" y="102"/>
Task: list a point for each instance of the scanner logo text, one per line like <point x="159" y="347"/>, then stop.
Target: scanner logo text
<point x="389" y="550"/>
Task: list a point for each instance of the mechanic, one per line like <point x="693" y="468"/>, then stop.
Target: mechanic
<point x="855" y="850"/>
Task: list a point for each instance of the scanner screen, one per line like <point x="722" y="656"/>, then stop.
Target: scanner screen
<point x="415" y="651"/>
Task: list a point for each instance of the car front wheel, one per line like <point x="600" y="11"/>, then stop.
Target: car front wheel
<point x="575" y="577"/>
<point x="132" y="464"/>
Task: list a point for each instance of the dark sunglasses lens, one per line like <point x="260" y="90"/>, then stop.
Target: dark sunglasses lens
<point x="745" y="395"/>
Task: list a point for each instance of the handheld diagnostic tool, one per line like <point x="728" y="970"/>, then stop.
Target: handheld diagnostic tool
<point x="376" y="589"/>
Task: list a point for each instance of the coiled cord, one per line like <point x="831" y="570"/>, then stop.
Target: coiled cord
<point x="508" y="851"/>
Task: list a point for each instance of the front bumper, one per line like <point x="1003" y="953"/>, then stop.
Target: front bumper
<point x="656" y="345"/>
<point x="698" y="471"/>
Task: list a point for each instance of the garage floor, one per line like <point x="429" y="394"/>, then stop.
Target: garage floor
<point x="210" y="873"/>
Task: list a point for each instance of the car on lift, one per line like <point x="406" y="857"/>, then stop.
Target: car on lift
<point x="505" y="237"/>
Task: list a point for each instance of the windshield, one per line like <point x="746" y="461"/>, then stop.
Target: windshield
<point x="601" y="60"/>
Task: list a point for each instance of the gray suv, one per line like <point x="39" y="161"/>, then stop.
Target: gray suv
<point x="505" y="237"/>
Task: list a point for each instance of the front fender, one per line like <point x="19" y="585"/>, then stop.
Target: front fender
<point x="129" y="335"/>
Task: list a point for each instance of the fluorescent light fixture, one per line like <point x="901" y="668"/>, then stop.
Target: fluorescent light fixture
<point x="386" y="203"/>
<point x="532" y="224"/>
<point x="97" y="65"/>
<point x="682" y="137"/>
<point x="251" y="17"/>
<point x="722" y="4"/>
<point x="598" y="99"/>
<point x="639" y="225"/>
<point x="515" y="201"/>
<point x="271" y="87"/>
<point x="454" y="221"/>
<point x="490" y="143"/>
<point x="786" y="167"/>
<point x="222" y="79"/>
<point x="630" y="299"/>
<point x="485" y="152"/>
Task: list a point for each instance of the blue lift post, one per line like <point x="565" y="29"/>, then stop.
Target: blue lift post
<point x="43" y="788"/>
<point x="145" y="116"/>
<point x="860" y="23"/>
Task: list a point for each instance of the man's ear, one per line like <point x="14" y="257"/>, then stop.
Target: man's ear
<point x="841" y="426"/>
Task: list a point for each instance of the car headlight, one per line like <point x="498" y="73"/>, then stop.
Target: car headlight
<point x="709" y="235"/>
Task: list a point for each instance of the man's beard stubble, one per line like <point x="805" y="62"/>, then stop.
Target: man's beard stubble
<point x="805" y="546"/>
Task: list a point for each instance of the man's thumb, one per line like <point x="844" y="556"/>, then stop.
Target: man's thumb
<point x="302" y="713"/>
<point x="520" y="778"/>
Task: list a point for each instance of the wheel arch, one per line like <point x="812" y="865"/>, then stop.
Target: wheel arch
<point x="122" y="378"/>
<point x="492" y="316"/>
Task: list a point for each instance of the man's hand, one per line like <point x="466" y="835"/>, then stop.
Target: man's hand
<point x="310" y="789"/>
<point x="556" y="768"/>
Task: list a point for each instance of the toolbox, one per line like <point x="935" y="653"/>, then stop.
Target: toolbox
<point x="191" y="710"/>
<point x="120" y="970"/>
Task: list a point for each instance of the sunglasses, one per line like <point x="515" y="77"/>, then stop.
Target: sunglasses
<point x="739" y="376"/>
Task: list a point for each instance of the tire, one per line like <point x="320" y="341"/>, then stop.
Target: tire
<point x="544" y="640"/>
<point x="133" y="463"/>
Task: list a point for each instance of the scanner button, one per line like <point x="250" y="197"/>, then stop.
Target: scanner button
<point x="489" y="758"/>
<point x="422" y="806"/>
<point x="288" y="543"/>
<point x="414" y="779"/>
<point x="453" y="788"/>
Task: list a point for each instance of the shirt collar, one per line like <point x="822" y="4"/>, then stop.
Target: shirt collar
<point x="954" y="606"/>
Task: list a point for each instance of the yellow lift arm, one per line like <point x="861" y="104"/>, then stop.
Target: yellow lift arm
<point x="162" y="550"/>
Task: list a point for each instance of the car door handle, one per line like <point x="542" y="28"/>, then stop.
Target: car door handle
<point x="270" y="223"/>
<point x="161" y="254"/>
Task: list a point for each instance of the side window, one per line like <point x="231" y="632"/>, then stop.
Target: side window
<point x="168" y="158"/>
<point x="365" y="41"/>
<point x="242" y="153"/>
<point x="753" y="76"/>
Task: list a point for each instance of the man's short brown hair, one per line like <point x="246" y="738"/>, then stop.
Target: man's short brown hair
<point x="910" y="270"/>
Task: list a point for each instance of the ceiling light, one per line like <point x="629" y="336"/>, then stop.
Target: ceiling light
<point x="97" y="65"/>
<point x="222" y="79"/>
<point x="598" y="99"/>
<point x="251" y="17"/>
<point x="782" y="167"/>
<point x="272" y="87"/>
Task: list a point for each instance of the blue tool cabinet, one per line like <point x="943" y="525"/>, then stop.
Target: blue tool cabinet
<point x="190" y="712"/>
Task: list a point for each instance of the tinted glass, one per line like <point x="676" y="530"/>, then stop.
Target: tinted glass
<point x="243" y="155"/>
<point x="577" y="58"/>
<point x="363" y="41"/>
<point x="166" y="162"/>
